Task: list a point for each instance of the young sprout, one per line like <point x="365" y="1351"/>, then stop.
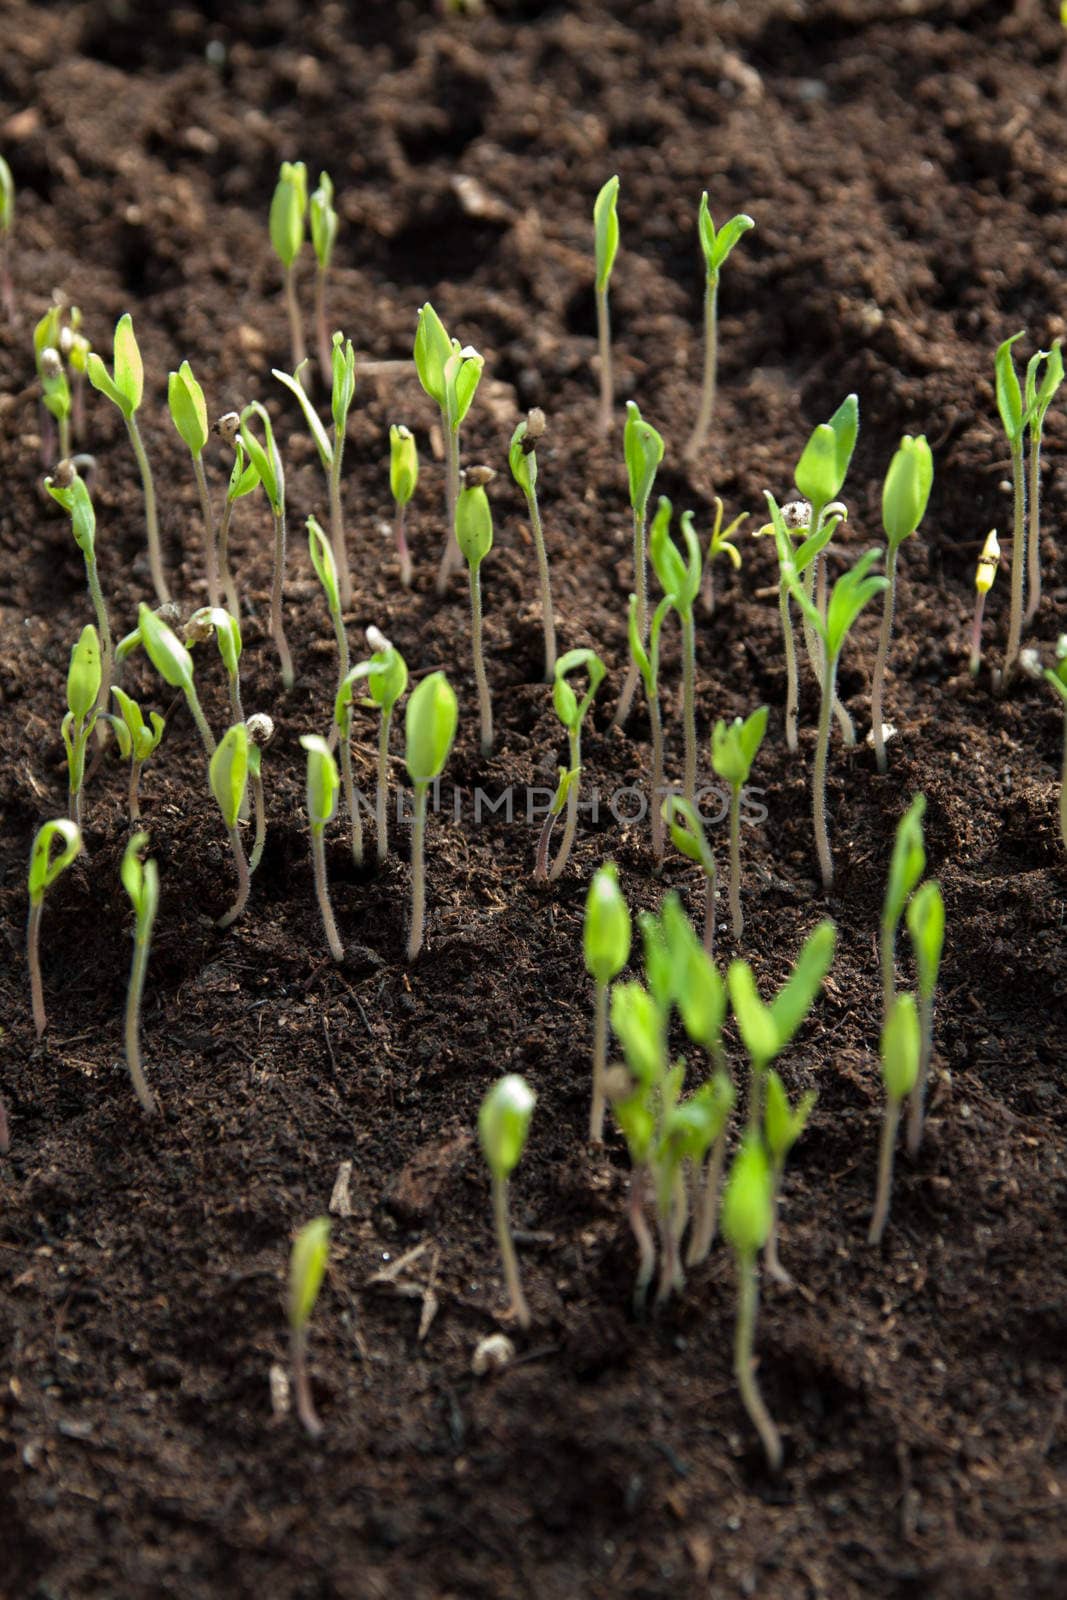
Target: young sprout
<point x="331" y="451"/>
<point x="715" y="248"/>
<point x="124" y="387"/>
<point x="243" y="479"/>
<point x="901" y="1047"/>
<point x="323" y="783"/>
<point x="69" y="491"/>
<point x="747" y="1214"/>
<point x="268" y="465"/>
<point x="605" y="245"/>
<point x="175" y="666"/>
<point x="503" y="1126"/>
<point x="56" y="394"/>
<point x="75" y="347"/>
<point x="687" y="1130"/>
<point x="229" y="783"/>
<point x="572" y="713"/>
<point x="227" y="631"/>
<point x="140" y="879"/>
<point x="403" y="478"/>
<point x="288" y="209"/>
<point x="324" y="223"/>
<point x="926" y="927"/>
<point x="429" y="729"/>
<point x="782" y="1126"/>
<point x="522" y="458"/>
<point x="606" y="944"/>
<point x="83" y="693"/>
<point x="474" y="535"/>
<point x="643" y="449"/>
<point x="307" y="1268"/>
<point x="720" y="543"/>
<point x="904" y="496"/>
<point x="766" y="1029"/>
<point x="820" y="476"/>
<point x="46" y="864"/>
<point x="647" y="662"/>
<point x="1038" y="400"/>
<point x="260" y="733"/>
<point x="136" y="742"/>
<point x="1014" y="418"/>
<point x="188" y="410"/>
<point x="640" y="1026"/>
<point x="387" y="678"/>
<point x="680" y="581"/>
<point x="789" y="521"/>
<point x="988" y="563"/>
<point x="449" y="373"/>
<point x="690" y="840"/>
<point x="566" y="782"/>
<point x="7" y="233"/>
<point x="906" y="866"/>
<point x="851" y="593"/>
<point x="733" y="750"/>
<point x="326" y="572"/>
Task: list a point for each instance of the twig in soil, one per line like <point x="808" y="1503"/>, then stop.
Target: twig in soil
<point x="45" y="868"/>
<point x="503" y="1125"/>
<point x="307" y="1268"/>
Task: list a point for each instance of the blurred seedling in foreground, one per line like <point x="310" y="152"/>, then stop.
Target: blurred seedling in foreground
<point x="715" y="247"/>
<point x="474" y="535"/>
<point x="766" y="1030"/>
<point x="136" y="742"/>
<point x="734" y="748"/>
<point x="572" y="713"/>
<point x="331" y="451"/>
<point x="503" y="1126"/>
<point x="606" y="944"/>
<point x="386" y="675"/>
<point x="403" y="479"/>
<point x="54" y="848"/>
<point x="188" y="411"/>
<point x="904" y="498"/>
<point x="605" y="249"/>
<point x="720" y="543"/>
<point x="229" y="783"/>
<point x="747" y="1212"/>
<point x="288" y="211"/>
<point x="643" y="450"/>
<point x="901" y="1047"/>
<point x="83" y="694"/>
<point x="323" y="782"/>
<point x="782" y="1126"/>
<point x="307" y="1268"/>
<point x="690" y="840"/>
<point x="324" y="224"/>
<point x="268" y="464"/>
<point x="679" y="578"/>
<point x="140" y="879"/>
<point x="522" y="459"/>
<point x="429" y="730"/>
<point x="449" y="373"/>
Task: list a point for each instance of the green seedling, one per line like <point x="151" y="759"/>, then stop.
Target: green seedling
<point x="559" y="801"/>
<point x="522" y="459"/>
<point x="926" y="928"/>
<point x="766" y="1030"/>
<point x="136" y="742"/>
<point x="188" y="411"/>
<point x="606" y="944"/>
<point x="984" y="578"/>
<point x="260" y="733"/>
<point x="474" y="535"/>
<point x="140" y="879"/>
<point x="83" y="695"/>
<point x="639" y="1024"/>
<point x="449" y="373"/>
<point x="403" y="479"/>
<point x="647" y="662"/>
<point x="243" y="480"/>
<point x="46" y="864"/>
<point x="1056" y="678"/>
<point x="901" y="1047"/>
<point x="679" y="578"/>
<point x="820" y="475"/>
<point x="429" y="729"/>
<point x="854" y="590"/>
<point x="690" y="840"/>
<point x="331" y="451"/>
<point x="572" y="713"/>
<point x="733" y="750"/>
<point x="324" y="224"/>
<point x="387" y="679"/>
<point x="288" y="210"/>
<point x="503" y="1126"/>
<point x="75" y="349"/>
<point x="720" y="543"/>
<point x="904" y="498"/>
<point x="687" y="1130"/>
<point x="124" y="387"/>
<point x="605" y="249"/>
<point x="788" y="522"/>
<point x="175" y="666"/>
<point x="323" y="782"/>
<point x="213" y="620"/>
<point x="69" y="490"/>
<point x="906" y="866"/>
<point x="307" y="1268"/>
<point x="715" y="247"/>
<point x="782" y="1126"/>
<point x="55" y="392"/>
<point x="322" y="560"/>
<point x="1039" y="397"/>
<point x="7" y="234"/>
<point x="229" y="784"/>
<point x="1014" y="417"/>
<point x="268" y="464"/>
<point x="747" y="1214"/>
<point x="643" y="449"/>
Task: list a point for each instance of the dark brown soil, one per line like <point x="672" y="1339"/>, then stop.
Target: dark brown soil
<point x="907" y="168"/>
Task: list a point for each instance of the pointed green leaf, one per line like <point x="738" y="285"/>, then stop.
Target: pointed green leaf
<point x="606" y="232"/>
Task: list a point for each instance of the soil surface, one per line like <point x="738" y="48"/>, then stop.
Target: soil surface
<point x="907" y="169"/>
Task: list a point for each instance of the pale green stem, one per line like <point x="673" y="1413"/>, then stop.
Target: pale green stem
<point x="296" y="322"/>
<point x="1018" y="565"/>
<point x="155" y="553"/>
<point x="791" y="686"/>
<point x="261" y="822"/>
<point x="197" y="711"/>
<point x="755" y="1096"/>
<point x="141" y="941"/>
<point x="689" y="709"/>
<point x="1034" y="544"/>
<point x="736" y="918"/>
<point x="622" y="710"/>
<point x="709" y="907"/>
<point x="884" y="637"/>
<point x="382" y="797"/>
<point x="244" y="879"/>
<point x="33" y="957"/>
<point x="885" y="1170"/>
<point x="485" y="704"/>
<point x="134" y="791"/>
<point x="976" y="634"/>
<point x="889" y="975"/>
<point x="322" y="893"/>
<point x="771" y="1262"/>
<point x="96" y="594"/>
<point x="548" y="619"/>
<point x="209" y="531"/>
<point x="229" y="588"/>
<point x="704" y="1233"/>
<point x="571" y="826"/>
<point x="322" y="338"/>
<point x="607" y="377"/>
<point x="917" y="1097"/>
<point x="64" y="437"/>
<point x="698" y="437"/>
<point x="818" y="777"/>
<point x="402" y="551"/>
<point x="234" y="685"/>
<point x="659" y="827"/>
<point x="646" y="1246"/>
<point x="351" y="800"/>
<point x="305" y="1406"/>
<point x="600" y="1065"/>
<point x="337" y="521"/>
<point x="418" y="874"/>
<point x="744" y="1360"/>
<point x="451" y="554"/>
<point x="277" y="624"/>
<point x="517" y="1300"/>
